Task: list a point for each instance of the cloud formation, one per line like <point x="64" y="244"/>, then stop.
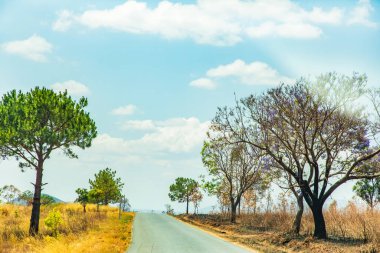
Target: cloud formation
<point x="73" y="87"/>
<point x="125" y="110"/>
<point x="360" y="15"/>
<point x="34" y="48"/>
<point x="254" y="73"/>
<point x="221" y="23"/>
<point x="174" y="135"/>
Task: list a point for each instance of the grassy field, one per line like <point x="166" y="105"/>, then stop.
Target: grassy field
<point x="351" y="229"/>
<point x="79" y="232"/>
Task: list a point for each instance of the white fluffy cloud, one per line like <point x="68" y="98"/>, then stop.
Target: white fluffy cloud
<point x="125" y="110"/>
<point x="254" y="73"/>
<point x="203" y="83"/>
<point x="361" y="13"/>
<point x="175" y="135"/>
<point x="35" y="48"/>
<point x="74" y="88"/>
<point x="224" y="22"/>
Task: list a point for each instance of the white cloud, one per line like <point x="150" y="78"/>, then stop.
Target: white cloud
<point x="360" y="14"/>
<point x="34" y="48"/>
<point x="254" y="73"/>
<point x="125" y="110"/>
<point x="221" y="23"/>
<point x="176" y="135"/>
<point x="203" y="83"/>
<point x="74" y="88"/>
<point x="141" y="125"/>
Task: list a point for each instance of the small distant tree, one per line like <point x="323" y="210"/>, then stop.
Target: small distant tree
<point x="196" y="198"/>
<point x="82" y="198"/>
<point x="368" y="190"/>
<point x="10" y="193"/>
<point x="169" y="209"/>
<point x="182" y="190"/>
<point x="108" y="187"/>
<point x="95" y="196"/>
<point x="26" y="196"/>
<point x="47" y="199"/>
<point x="34" y="124"/>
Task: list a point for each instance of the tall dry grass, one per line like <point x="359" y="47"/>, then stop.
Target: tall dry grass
<point x="353" y="222"/>
<point x="79" y="232"/>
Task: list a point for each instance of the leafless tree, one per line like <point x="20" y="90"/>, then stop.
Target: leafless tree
<point x="311" y="126"/>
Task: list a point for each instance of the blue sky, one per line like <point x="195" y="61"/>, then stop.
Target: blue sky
<point x="155" y="72"/>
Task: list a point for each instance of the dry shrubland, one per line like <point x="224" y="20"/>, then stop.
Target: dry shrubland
<point x="353" y="228"/>
<point x="78" y="232"/>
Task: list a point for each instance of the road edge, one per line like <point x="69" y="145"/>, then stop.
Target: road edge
<point x="213" y="233"/>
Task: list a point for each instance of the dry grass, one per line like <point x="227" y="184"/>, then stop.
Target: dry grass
<point x="351" y="229"/>
<point x="91" y="232"/>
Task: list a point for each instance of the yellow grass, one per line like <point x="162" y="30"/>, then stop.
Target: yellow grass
<point x="352" y="228"/>
<point x="91" y="232"/>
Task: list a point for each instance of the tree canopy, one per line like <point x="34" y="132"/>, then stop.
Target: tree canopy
<point x="182" y="190"/>
<point x="106" y="187"/>
<point x="310" y="133"/>
<point x="34" y="124"/>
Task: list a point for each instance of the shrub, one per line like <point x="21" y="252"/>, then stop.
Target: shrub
<point x="53" y="221"/>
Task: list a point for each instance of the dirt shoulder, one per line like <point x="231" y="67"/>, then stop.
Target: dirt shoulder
<point x="273" y="241"/>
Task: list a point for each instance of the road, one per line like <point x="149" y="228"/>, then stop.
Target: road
<point x="160" y="233"/>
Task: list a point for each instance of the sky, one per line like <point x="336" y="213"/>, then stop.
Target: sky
<point x="155" y="72"/>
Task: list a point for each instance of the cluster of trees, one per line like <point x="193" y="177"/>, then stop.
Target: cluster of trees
<point x="36" y="123"/>
<point x="106" y="188"/>
<point x="185" y="190"/>
<point x="10" y="194"/>
<point x="309" y="138"/>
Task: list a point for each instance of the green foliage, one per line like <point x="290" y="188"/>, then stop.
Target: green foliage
<point x="105" y="188"/>
<point x="9" y="193"/>
<point x="182" y="189"/>
<point x="53" y="221"/>
<point x="47" y="199"/>
<point x="27" y="196"/>
<point x="35" y="123"/>
<point x="82" y="196"/>
<point x="368" y="190"/>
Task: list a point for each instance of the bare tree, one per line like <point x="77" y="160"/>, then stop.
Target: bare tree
<point x="312" y="127"/>
<point x="239" y="166"/>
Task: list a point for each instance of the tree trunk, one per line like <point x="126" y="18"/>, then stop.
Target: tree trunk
<point x="233" y="213"/>
<point x="35" y="217"/>
<point x="319" y="222"/>
<point x="297" y="220"/>
<point x="84" y="208"/>
<point x="187" y="205"/>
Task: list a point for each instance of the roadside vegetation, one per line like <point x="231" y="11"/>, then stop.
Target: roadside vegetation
<point x="69" y="229"/>
<point x="33" y="125"/>
<point x="275" y="159"/>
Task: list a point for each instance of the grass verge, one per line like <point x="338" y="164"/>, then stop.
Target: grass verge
<point x="79" y="232"/>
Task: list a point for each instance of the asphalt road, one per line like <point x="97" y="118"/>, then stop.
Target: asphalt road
<point x="160" y="233"/>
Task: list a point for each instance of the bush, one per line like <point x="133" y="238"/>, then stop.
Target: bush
<point x="53" y="221"/>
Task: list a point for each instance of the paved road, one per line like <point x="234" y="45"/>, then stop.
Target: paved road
<point x="160" y="233"/>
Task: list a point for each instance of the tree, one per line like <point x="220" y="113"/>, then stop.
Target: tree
<point x="47" y="199"/>
<point x="325" y="141"/>
<point x="368" y="190"/>
<point x="82" y="198"/>
<point x="27" y="196"/>
<point x="107" y="185"/>
<point x="237" y="165"/>
<point x="182" y="190"/>
<point x="34" y="124"/>
<point x="196" y="198"/>
<point x="10" y="193"/>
